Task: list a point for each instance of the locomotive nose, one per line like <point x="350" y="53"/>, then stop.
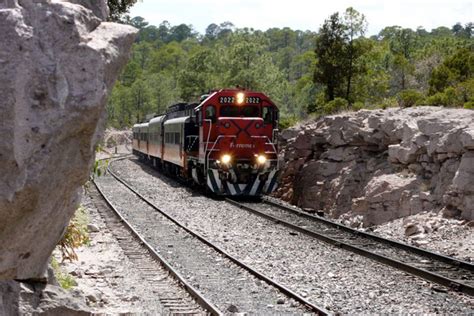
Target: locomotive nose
<point x="243" y="140"/>
<point x="241" y="127"/>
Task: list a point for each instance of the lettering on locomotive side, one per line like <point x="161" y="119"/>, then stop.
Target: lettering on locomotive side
<point x="250" y="146"/>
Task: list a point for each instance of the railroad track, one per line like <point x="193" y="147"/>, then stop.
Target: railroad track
<point x="176" y="296"/>
<point x="231" y="285"/>
<point x="447" y="271"/>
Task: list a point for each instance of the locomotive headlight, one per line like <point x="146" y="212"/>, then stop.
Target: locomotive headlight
<point x="240" y="98"/>
<point x="226" y="159"/>
<point x="261" y="159"/>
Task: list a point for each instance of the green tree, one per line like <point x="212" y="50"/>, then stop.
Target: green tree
<point x="200" y="74"/>
<point x="164" y="91"/>
<point x="456" y="68"/>
<point x="118" y="8"/>
<point x="356" y="26"/>
<point x="441" y="31"/>
<point x="181" y="32"/>
<point x="340" y="47"/>
<point x="141" y="97"/>
<point x="299" y="70"/>
<point x="167" y="58"/>
<point x="331" y="56"/>
<point x="119" y="107"/>
<point x="402" y="45"/>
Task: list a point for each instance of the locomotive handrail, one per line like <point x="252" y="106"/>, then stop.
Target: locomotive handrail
<point x="190" y="146"/>
<point x="209" y="133"/>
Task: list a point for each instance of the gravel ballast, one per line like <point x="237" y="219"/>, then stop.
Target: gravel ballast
<point x="329" y="277"/>
<point x="106" y="276"/>
<point x="229" y="287"/>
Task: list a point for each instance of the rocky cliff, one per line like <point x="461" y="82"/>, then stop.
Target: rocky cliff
<point x="382" y="164"/>
<point x="58" y="62"/>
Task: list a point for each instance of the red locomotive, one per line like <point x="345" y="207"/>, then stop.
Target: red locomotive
<point x="227" y="142"/>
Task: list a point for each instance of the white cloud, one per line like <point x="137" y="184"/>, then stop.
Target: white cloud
<point x="301" y="14"/>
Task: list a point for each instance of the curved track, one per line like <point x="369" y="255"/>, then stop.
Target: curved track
<point x="179" y="297"/>
<point x="447" y="271"/>
<point x="137" y="218"/>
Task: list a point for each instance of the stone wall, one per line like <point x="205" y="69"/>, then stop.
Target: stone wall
<point x="382" y="164"/>
<point x="58" y="62"/>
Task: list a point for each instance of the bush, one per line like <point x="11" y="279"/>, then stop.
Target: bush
<point x="318" y="104"/>
<point x="409" y="98"/>
<point x="454" y="97"/>
<point x="469" y="105"/>
<point x="75" y="236"/>
<point x="336" y="105"/>
<point x="449" y="97"/>
<point x="438" y="99"/>
<point x="100" y="168"/>
<point x="287" y="121"/>
<point x="387" y="103"/>
<point x="65" y="280"/>
<point x="358" y="106"/>
<point x="465" y="90"/>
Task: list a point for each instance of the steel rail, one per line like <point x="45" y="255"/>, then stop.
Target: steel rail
<point x="423" y="252"/>
<point x="194" y="293"/>
<point x="434" y="277"/>
<point x="317" y="309"/>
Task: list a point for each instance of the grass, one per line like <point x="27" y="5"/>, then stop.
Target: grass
<point x="65" y="280"/>
<point x="76" y="235"/>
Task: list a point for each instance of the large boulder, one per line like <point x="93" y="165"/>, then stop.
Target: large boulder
<point x="32" y="298"/>
<point x="58" y="62"/>
<point x="382" y="164"/>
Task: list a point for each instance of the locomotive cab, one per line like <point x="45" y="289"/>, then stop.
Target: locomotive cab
<point x="238" y="148"/>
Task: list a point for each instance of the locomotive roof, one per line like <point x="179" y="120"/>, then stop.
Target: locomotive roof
<point x="140" y="125"/>
<point x="178" y="120"/>
<point x="181" y="107"/>
<point x="230" y="91"/>
<point x="157" y="119"/>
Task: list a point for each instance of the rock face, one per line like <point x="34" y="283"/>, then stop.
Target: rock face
<point x="58" y="62"/>
<point x="113" y="138"/>
<point x="382" y="164"/>
<point x="19" y="298"/>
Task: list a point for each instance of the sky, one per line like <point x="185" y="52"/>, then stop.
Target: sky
<point x="304" y="14"/>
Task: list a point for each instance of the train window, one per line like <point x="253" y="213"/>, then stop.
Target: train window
<point x="250" y="111"/>
<point x="230" y="111"/>
<point x="176" y="138"/>
<point x="211" y="113"/>
<point x="268" y="114"/>
<point x="236" y="111"/>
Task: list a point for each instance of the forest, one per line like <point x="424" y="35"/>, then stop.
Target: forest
<point x="337" y="68"/>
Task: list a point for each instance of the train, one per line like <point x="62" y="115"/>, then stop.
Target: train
<point x="227" y="143"/>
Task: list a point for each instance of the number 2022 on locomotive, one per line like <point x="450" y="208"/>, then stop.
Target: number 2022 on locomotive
<point x="231" y="100"/>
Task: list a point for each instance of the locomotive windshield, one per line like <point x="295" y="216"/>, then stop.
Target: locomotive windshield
<point x="239" y="111"/>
